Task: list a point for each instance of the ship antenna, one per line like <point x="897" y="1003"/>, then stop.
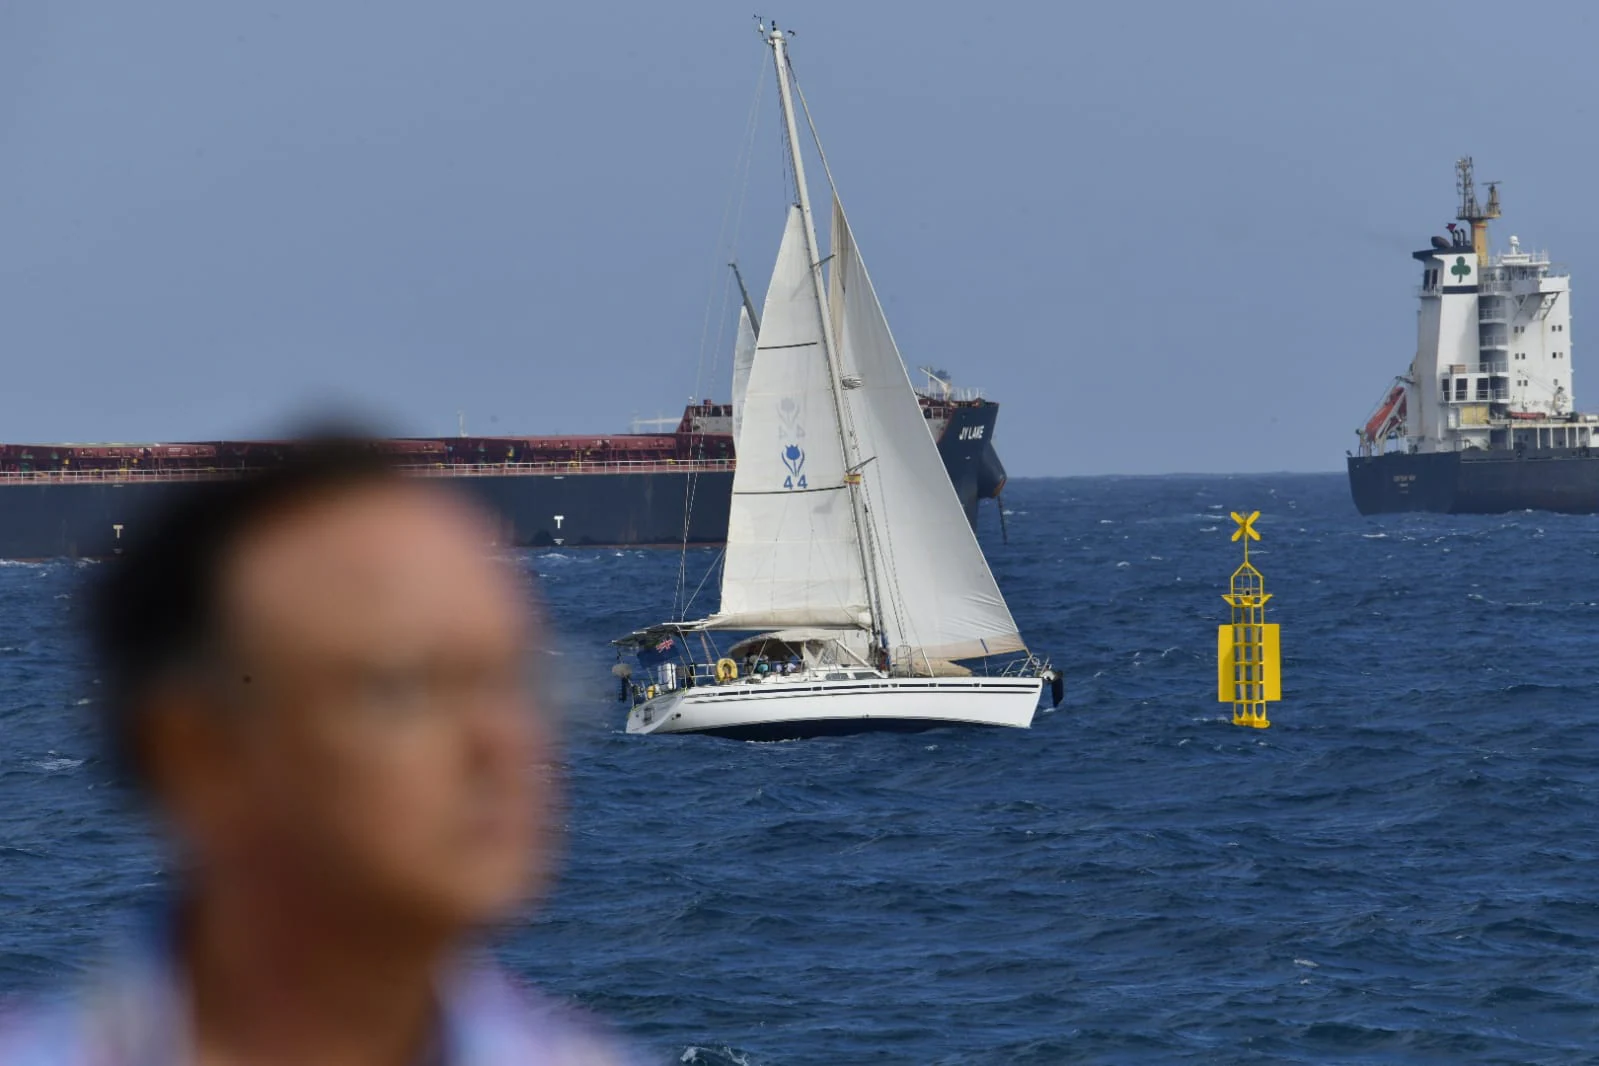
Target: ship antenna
<point x="1471" y="211"/>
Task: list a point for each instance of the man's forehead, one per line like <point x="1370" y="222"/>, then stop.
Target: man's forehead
<point x="367" y="556"/>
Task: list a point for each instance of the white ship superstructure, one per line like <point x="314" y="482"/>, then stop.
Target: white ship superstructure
<point x="1493" y="367"/>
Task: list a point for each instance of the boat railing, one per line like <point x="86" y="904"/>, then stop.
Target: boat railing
<point x="1479" y="396"/>
<point x="124" y="475"/>
<point x="953" y="394"/>
<point x="1029" y="665"/>
<point x="1497" y="367"/>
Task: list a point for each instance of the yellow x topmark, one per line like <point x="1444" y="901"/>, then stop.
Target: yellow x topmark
<point x="1246" y="526"/>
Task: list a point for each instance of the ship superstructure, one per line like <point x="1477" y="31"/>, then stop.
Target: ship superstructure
<point x="1491" y="389"/>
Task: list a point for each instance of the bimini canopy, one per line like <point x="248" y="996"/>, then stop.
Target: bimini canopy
<point x="812" y="645"/>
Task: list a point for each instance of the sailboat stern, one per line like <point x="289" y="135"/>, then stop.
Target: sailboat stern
<point x="657" y="715"/>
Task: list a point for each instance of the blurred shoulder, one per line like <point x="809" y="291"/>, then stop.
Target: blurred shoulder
<point x="44" y="1033"/>
<point x="501" y="1022"/>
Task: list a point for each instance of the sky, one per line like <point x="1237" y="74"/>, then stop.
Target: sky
<point x="1165" y="237"/>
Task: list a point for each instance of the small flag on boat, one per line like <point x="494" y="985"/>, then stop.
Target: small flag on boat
<point x="659" y="653"/>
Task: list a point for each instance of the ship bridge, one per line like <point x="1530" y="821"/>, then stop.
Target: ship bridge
<point x="1492" y="368"/>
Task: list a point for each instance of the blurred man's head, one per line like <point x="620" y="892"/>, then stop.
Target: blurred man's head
<point x="320" y="676"/>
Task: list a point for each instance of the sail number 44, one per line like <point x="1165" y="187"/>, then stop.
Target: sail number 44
<point x="794" y="459"/>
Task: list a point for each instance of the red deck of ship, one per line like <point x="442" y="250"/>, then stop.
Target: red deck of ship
<point x="617" y="453"/>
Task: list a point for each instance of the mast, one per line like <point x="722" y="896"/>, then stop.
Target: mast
<point x="779" y="44"/>
<point x="1471" y="211"/>
<point x="744" y="294"/>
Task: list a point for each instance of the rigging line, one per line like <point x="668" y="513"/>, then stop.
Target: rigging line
<point x="749" y="155"/>
<point x="691" y="493"/>
<point x="740" y="166"/>
<point x="815" y="137"/>
<point x="883" y="541"/>
<point x="708" y="572"/>
<point x="784" y="151"/>
<point x="740" y="186"/>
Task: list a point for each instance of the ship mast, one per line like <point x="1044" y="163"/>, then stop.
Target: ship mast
<point x="852" y="461"/>
<point x="1471" y="211"/>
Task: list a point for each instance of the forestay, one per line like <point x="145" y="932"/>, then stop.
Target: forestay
<point x="792" y="555"/>
<point x="935" y="591"/>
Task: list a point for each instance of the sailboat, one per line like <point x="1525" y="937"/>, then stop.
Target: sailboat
<point x="849" y="562"/>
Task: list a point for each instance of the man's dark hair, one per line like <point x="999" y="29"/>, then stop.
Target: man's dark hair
<point x="156" y="606"/>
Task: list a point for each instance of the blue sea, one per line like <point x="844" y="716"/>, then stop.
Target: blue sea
<point x="1403" y="869"/>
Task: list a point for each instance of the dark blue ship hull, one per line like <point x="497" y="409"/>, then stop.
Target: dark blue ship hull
<point x="92" y="518"/>
<point x="1477" y="481"/>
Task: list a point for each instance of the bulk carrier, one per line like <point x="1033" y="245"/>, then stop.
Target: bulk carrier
<point x="1484" y="421"/>
<point x="88" y="500"/>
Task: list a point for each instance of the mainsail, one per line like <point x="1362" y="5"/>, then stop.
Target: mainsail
<point x="935" y="592"/>
<point x="792" y="557"/>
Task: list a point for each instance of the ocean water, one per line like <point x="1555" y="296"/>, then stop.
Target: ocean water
<point x="1404" y="868"/>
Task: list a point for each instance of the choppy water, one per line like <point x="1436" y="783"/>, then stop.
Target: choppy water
<point x="1403" y="869"/>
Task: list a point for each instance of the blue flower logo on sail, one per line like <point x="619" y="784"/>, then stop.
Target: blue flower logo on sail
<point x="794" y="459"/>
<point x="791" y="432"/>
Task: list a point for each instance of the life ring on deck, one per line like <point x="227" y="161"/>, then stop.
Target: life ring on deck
<point x="726" y="670"/>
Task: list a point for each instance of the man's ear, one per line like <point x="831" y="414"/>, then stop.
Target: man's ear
<point x="190" y="748"/>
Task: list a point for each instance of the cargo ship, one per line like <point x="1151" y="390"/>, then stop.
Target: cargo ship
<point x="639" y="489"/>
<point x="1484" y="421"/>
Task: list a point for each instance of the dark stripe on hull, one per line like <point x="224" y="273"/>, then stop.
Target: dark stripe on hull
<point x="80" y="520"/>
<point x="1564" y="480"/>
<point x="834" y="727"/>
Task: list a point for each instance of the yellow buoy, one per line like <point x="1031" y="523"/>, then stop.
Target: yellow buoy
<point x="1248" y="649"/>
<point x="726" y="670"/>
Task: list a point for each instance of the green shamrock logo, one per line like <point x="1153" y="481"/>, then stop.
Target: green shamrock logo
<point x="1460" y="269"/>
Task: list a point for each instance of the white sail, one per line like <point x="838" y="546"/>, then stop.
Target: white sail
<point x="935" y="592"/>
<point x="743" y="356"/>
<point x="792" y="555"/>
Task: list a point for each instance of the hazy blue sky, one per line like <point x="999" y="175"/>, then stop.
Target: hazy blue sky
<point x="1165" y="237"/>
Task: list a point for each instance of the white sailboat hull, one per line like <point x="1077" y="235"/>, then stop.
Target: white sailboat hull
<point x="771" y="709"/>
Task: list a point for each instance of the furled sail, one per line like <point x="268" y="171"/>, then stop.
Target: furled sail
<point x="935" y="592"/>
<point x="743" y="357"/>
<point x="792" y="556"/>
